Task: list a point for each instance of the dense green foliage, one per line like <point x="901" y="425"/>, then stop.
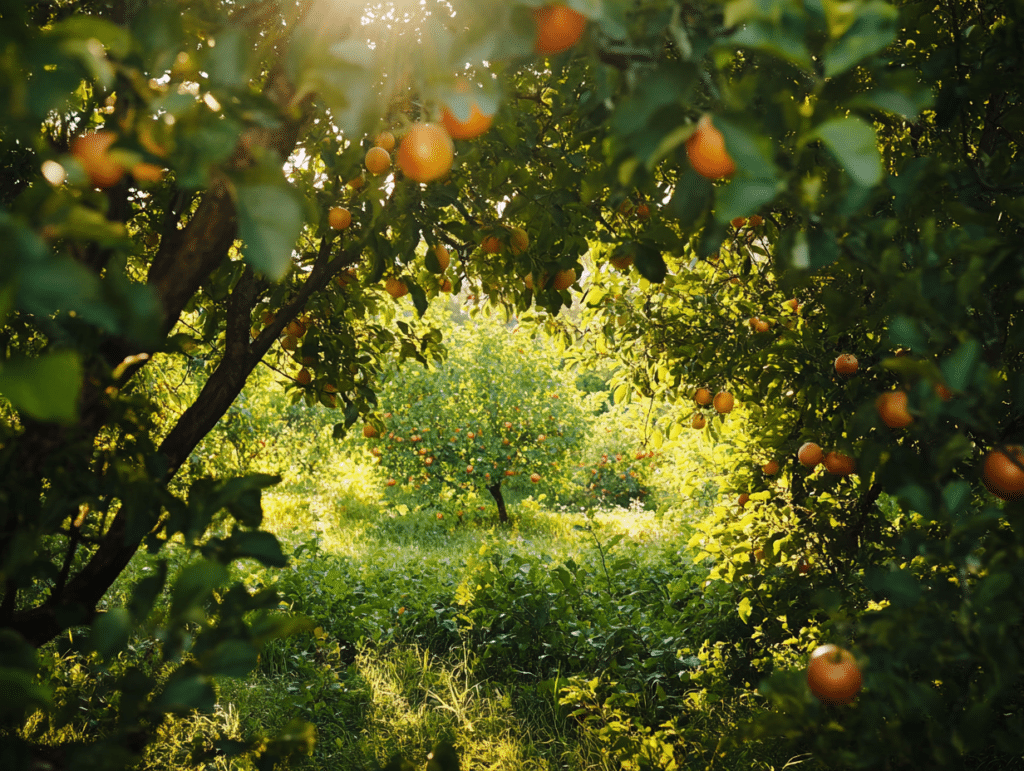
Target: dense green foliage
<point x="878" y="158"/>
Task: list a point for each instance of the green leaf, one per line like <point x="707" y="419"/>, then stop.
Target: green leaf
<point x="231" y="658"/>
<point x="419" y="297"/>
<point x="873" y="29"/>
<point x="110" y="632"/>
<point x="691" y="198"/>
<point x="744" y="609"/>
<point x="779" y="40"/>
<point x="186" y="690"/>
<point x="650" y="263"/>
<point x="195" y="583"/>
<point x="269" y="221"/>
<point x="958" y="368"/>
<point x="45" y="388"/>
<point x="743" y="196"/>
<point x="259" y="546"/>
<point x="853" y="143"/>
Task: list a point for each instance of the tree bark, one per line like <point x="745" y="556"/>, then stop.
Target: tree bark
<point x="495" y="490"/>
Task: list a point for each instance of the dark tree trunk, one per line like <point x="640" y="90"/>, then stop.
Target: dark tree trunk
<point x="495" y="490"/>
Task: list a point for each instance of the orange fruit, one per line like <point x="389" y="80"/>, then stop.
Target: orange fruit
<point x="443" y="258"/>
<point x="643" y="211"/>
<point x="724" y="402"/>
<point x="491" y="245"/>
<point x="707" y="153"/>
<point x="304" y="378"/>
<point x="289" y="342"/>
<point x="446" y="285"/>
<point x="892" y="408"/>
<point x="793" y="304"/>
<point x="295" y="328"/>
<point x="339" y="217"/>
<point x="803" y="566"/>
<point x="346" y="277"/>
<point x="943" y="392"/>
<point x="771" y="468"/>
<point x="395" y="288"/>
<point x="622" y="263"/>
<point x="535" y="478"/>
<point x="475" y="125"/>
<point x="469" y="469"/>
<point x="519" y="240"/>
<point x="839" y="464"/>
<point x="377" y="160"/>
<point x="558" y="28"/>
<point x="564" y="279"/>
<point x="386" y="141"/>
<point x="357" y="182"/>
<point x="762" y="326"/>
<point x="738" y="222"/>
<point x="369" y="431"/>
<point x="833" y="675"/>
<point x="758" y="554"/>
<point x="91" y="151"/>
<point x="742" y="500"/>
<point x="1002" y="475"/>
<point x="426" y="152"/>
<point x="753" y="322"/>
<point x="809" y="454"/>
<point x="756" y="221"/>
<point x="702" y="396"/>
<point x="147" y="172"/>
<point x="391" y="483"/>
<point x="698" y="421"/>
<point x="846" y="364"/>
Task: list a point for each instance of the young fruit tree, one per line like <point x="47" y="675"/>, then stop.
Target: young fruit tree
<point x="496" y="415"/>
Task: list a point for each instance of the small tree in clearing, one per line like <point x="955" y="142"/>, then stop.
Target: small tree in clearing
<point x="493" y="415"/>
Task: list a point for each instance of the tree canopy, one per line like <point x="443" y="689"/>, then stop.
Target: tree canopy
<point x="168" y="172"/>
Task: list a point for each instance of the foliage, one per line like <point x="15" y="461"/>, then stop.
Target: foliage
<point x="495" y="413"/>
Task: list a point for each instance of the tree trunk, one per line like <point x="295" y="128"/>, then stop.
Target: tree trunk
<point x="495" y="490"/>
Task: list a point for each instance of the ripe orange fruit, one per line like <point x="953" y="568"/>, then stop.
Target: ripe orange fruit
<point x="304" y="378"/>
<point x="295" y="328"/>
<point x="762" y="326"/>
<point x="892" y="408"/>
<point x="369" y="431"/>
<point x="738" y="222"/>
<point x="535" y="478"/>
<point x="289" y="342"/>
<point x="147" y="172"/>
<point x="724" y="402"/>
<point x="839" y="464"/>
<point x="1001" y="475"/>
<point x="346" y="277"/>
<point x="469" y="469"/>
<point x="793" y="304"/>
<point x="357" y="182"/>
<point x="446" y="285"/>
<point x="698" y="421"/>
<point x="443" y="258"/>
<point x="943" y="392"/>
<point x="426" y="152"/>
<point x="771" y="468"/>
<point x="377" y="160"/>
<point x="742" y="500"/>
<point x="809" y="454"/>
<point x="643" y="211"/>
<point x="756" y="221"/>
<point x="846" y="364"/>
<point x="558" y="28"/>
<point x="702" y="396"/>
<point x="519" y="241"/>
<point x="833" y="675"/>
<point x="753" y="322"/>
<point x="395" y="288"/>
<point x="758" y="554"/>
<point x="91" y="151"/>
<point x="707" y="153"/>
<point x="386" y="141"/>
<point x="564" y="279"/>
<point x="391" y="483"/>
<point x="475" y="125"/>
<point x="491" y="245"/>
<point x="339" y="217"/>
<point x="803" y="566"/>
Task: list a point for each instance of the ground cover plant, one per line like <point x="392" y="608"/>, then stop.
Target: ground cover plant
<point x="788" y="231"/>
